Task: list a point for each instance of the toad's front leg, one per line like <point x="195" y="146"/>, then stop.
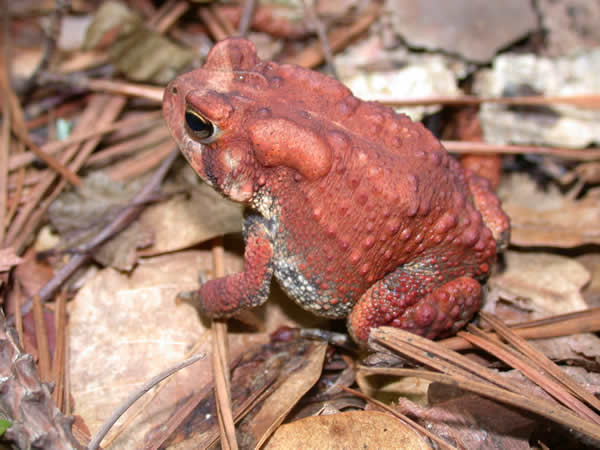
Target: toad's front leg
<point x="225" y="297"/>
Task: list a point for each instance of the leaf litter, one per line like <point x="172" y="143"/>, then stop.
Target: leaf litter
<point x="124" y="323"/>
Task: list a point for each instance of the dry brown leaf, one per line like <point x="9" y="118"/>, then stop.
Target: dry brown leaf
<point x="582" y="349"/>
<point x="8" y="259"/>
<point x="389" y="389"/>
<point x="537" y="285"/>
<point x="589" y="380"/>
<point x="80" y="214"/>
<point x="32" y="273"/>
<point x="469" y="421"/>
<point x="452" y="26"/>
<point x="187" y="220"/>
<point x="129" y="42"/>
<point x="275" y="408"/>
<point x="543" y="283"/>
<point x="571" y="25"/>
<point x="124" y="329"/>
<point x="260" y="372"/>
<point x="356" y="429"/>
<point x="591" y="293"/>
<point x="548" y="218"/>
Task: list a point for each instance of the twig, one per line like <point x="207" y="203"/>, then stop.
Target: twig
<point x="591" y="101"/>
<point x="587" y="321"/>
<point x="153" y="137"/>
<point x="48" y="159"/>
<point x="58" y="362"/>
<point x="246" y="18"/>
<point x="215" y="28"/>
<point x="147" y="120"/>
<point x="171" y="16"/>
<point x="6" y="122"/>
<point x="543" y="361"/>
<point x="61" y="7"/>
<point x="4" y="152"/>
<point x="140" y="163"/>
<point x="106" y="426"/>
<point x="126" y="423"/>
<point x="220" y="361"/>
<point x="224" y="22"/>
<point x="133" y="90"/>
<point x="101" y="110"/>
<point x="309" y="8"/>
<point x="438" y="357"/>
<point x="517" y="361"/>
<point x="313" y="55"/>
<point x="589" y="154"/>
<point x="41" y="338"/>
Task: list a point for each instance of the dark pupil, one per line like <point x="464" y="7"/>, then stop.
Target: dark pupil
<point x="200" y="127"/>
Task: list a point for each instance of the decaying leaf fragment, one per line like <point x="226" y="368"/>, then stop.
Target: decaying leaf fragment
<point x="549" y="218"/>
<point x="140" y="53"/>
<point x="466" y="420"/>
<point x="475" y="29"/>
<point x="80" y="214"/>
<point x="543" y="283"/>
<point x="267" y="381"/>
<point x="356" y="429"/>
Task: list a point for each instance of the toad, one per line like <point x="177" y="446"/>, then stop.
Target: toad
<point x="357" y="211"/>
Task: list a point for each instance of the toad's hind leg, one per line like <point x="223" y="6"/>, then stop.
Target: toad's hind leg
<point x="401" y="300"/>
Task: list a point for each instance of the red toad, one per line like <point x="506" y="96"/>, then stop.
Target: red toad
<point x="358" y="211"/>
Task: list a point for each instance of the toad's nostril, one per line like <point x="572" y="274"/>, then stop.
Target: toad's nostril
<point x="174" y="90"/>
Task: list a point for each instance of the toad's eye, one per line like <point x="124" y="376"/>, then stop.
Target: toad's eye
<point x="201" y="128"/>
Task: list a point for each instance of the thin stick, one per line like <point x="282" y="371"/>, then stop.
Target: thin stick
<point x="212" y="23"/>
<point x="21" y="160"/>
<point x="150" y="398"/>
<point x="313" y="55"/>
<point x="591" y="101"/>
<point x="531" y="371"/>
<point x="4" y="151"/>
<point x="220" y="361"/>
<point x="106" y="426"/>
<point x="224" y="22"/>
<point x="41" y="338"/>
<point x="18" y="316"/>
<point x="587" y="321"/>
<point x="588" y="154"/>
<point x="544" y="362"/>
<point x="58" y="362"/>
<point x="309" y="8"/>
<point x="246" y="18"/>
<point x="48" y="159"/>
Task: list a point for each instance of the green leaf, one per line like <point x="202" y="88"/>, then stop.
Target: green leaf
<point x="4" y="425"/>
